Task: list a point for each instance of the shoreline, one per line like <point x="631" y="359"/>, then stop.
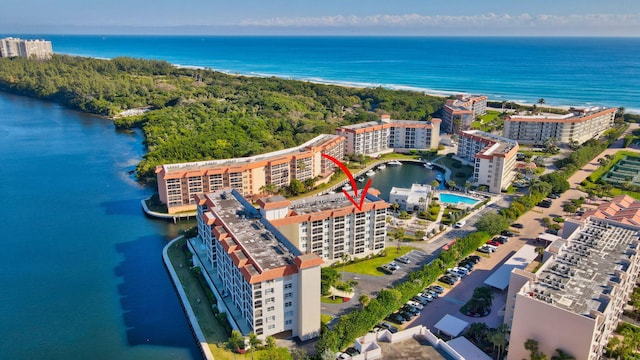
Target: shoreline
<point x="365" y="85"/>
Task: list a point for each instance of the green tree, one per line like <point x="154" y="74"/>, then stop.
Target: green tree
<point x="254" y="342"/>
<point x="398" y="234"/>
<point x="562" y="355"/>
<point x="364" y="300"/>
<point x="498" y="338"/>
<point x="533" y="347"/>
<point x="477" y="332"/>
<point x="559" y="183"/>
<point x="271" y="342"/>
<point x="435" y="184"/>
<point x="296" y="187"/>
<point x="235" y="342"/>
<point x="492" y="223"/>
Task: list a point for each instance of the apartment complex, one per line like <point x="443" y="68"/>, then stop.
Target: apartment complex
<point x="177" y="183"/>
<point x="330" y="225"/>
<point x="580" y="125"/>
<point x="459" y="113"/>
<point x="385" y="135"/>
<point x="14" y="47"/>
<point x="493" y="158"/>
<point x="274" y="286"/>
<point x="574" y="301"/>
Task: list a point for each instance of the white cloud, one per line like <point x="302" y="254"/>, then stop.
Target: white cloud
<point x="488" y="20"/>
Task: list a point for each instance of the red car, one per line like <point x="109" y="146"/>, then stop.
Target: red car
<point x="494" y="243"/>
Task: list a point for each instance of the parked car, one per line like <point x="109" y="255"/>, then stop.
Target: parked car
<point x="518" y="226"/>
<point x="431" y="293"/>
<point x="342" y="356"/>
<point x="406" y="315"/>
<point x="397" y="318"/>
<point x="386" y="269"/>
<point x="437" y="288"/>
<point x="420" y="300"/>
<point x="447" y="280"/>
<point x="474" y="258"/>
<point x="460" y="224"/>
<point x="501" y="239"/>
<point x="425" y="295"/>
<point x="466" y="264"/>
<point x="507" y="233"/>
<point x="554" y="196"/>
<point x="492" y="247"/>
<point x="393" y="265"/>
<point x="461" y="271"/>
<point x="484" y="250"/>
<point x="551" y="231"/>
<point x="352" y="351"/>
<point x="388" y="326"/>
<point x="410" y="309"/>
<point x="415" y="304"/>
<point x="403" y="259"/>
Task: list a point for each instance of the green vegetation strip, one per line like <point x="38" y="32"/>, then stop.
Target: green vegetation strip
<point x="370" y="266"/>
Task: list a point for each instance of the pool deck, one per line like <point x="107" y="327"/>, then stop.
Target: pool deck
<point x="476" y="197"/>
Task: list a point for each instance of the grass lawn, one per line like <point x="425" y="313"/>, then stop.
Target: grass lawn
<point x="324" y="318"/>
<point x="370" y="267"/>
<point x="329" y="300"/>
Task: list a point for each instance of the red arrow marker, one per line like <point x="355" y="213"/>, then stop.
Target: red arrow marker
<point x="353" y="184"/>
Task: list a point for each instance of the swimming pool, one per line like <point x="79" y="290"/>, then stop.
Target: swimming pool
<point x="455" y="199"/>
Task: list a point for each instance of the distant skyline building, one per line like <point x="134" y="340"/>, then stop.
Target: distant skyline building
<point x="15" y="47"/>
<point x="270" y="285"/>
<point x="459" y="113"/>
<point x="177" y="183"/>
<point x="579" y="125"/>
<point x="330" y="225"/>
<point x="493" y="158"/>
<point x="573" y="302"/>
<point x="387" y="135"/>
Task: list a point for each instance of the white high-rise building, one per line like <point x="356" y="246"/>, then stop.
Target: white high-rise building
<point x="14" y="47"/>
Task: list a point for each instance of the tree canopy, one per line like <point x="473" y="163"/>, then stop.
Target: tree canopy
<point x="200" y="114"/>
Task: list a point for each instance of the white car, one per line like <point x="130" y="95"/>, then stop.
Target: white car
<point x="426" y="296"/>
<point x="460" y="224"/>
<point x="415" y="304"/>
<point x="394" y="265"/>
<point x="460" y="270"/>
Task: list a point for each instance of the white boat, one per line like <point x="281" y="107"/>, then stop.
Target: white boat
<point x="347" y="187"/>
<point x="370" y="173"/>
<point x="382" y="167"/>
<point x="360" y="179"/>
<point x="428" y="165"/>
<point x="394" y="163"/>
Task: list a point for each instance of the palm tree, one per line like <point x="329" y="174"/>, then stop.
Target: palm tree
<point x="398" y="235"/>
<point x="345" y="259"/>
<point x="254" y="342"/>
<point x="395" y="207"/>
<point x="364" y="300"/>
<point x="435" y="184"/>
<point x="534" y="349"/>
<point x="541" y="101"/>
<point x="498" y="338"/>
<point x="477" y="332"/>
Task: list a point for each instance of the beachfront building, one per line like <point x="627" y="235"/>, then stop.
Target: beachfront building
<point x="579" y="125"/>
<point x="414" y="199"/>
<point x="386" y="135"/>
<point x="178" y="183"/>
<point x="330" y="225"/>
<point x="573" y="302"/>
<point x="15" y="47"/>
<point x="270" y="285"/>
<point x="493" y="158"/>
<point x="459" y="113"/>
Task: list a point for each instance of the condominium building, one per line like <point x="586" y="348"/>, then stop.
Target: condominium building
<point x="387" y="135"/>
<point x="272" y="285"/>
<point x="493" y="158"/>
<point x="14" y="47"/>
<point x="573" y="302"/>
<point x="330" y="225"/>
<point x="459" y="113"/>
<point x="177" y="183"/>
<point x="580" y="125"/>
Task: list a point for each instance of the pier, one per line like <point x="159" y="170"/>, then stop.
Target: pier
<point x="173" y="217"/>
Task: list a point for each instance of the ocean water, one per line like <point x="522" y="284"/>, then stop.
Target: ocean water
<point x="82" y="274"/>
<point x="563" y="71"/>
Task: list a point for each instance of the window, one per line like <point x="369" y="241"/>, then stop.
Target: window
<point x="287" y="286"/>
<point x="269" y="300"/>
<point x="288" y="313"/>
<point x="288" y="322"/>
<point x="288" y="295"/>
<point x="268" y="291"/>
<point x="288" y="304"/>
<point x="271" y="308"/>
<point x="271" y="319"/>
<point x="271" y="327"/>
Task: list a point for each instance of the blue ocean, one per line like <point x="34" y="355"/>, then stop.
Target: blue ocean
<point x="563" y="71"/>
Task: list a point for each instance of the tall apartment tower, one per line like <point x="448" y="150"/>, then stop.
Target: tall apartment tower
<point x="272" y="286"/>
<point x="493" y="158"/>
<point x="459" y="113"/>
<point x="14" y="47"/>
<point x="330" y="225"/>
<point x="387" y="135"/>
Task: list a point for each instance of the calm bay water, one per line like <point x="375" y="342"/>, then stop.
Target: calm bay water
<point x="82" y="275"/>
<point x="400" y="176"/>
<point x="563" y="71"/>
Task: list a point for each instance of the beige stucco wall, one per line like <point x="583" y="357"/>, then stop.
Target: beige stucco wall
<point x="308" y="319"/>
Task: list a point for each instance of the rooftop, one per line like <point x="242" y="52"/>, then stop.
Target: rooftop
<point x="317" y="141"/>
<point x="495" y="144"/>
<point x="327" y="202"/>
<point x="580" y="278"/>
<point x="262" y="242"/>
<point x="573" y="115"/>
